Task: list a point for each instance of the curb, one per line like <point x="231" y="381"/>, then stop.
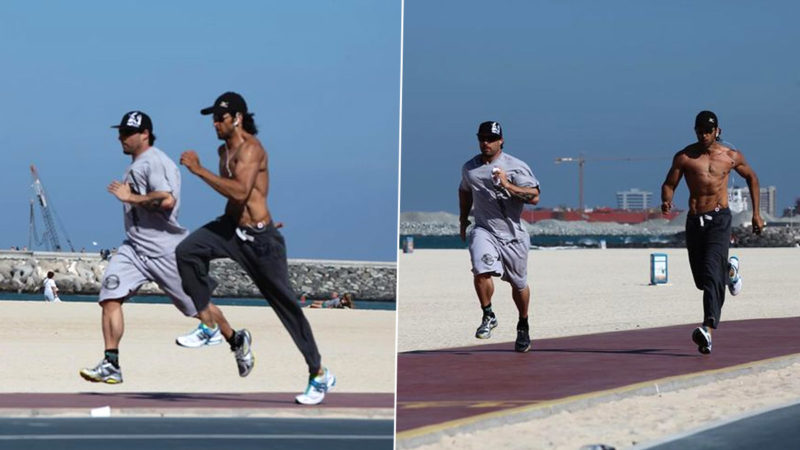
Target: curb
<point x="317" y="413"/>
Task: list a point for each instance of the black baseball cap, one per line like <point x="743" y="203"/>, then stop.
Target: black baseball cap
<point x="229" y="102"/>
<point x="489" y="128"/>
<point x="706" y="120"/>
<point x="135" y="121"/>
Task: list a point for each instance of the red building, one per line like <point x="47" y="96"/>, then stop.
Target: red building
<point x="597" y="215"/>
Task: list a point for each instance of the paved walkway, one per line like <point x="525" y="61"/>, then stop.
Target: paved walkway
<point x="441" y="390"/>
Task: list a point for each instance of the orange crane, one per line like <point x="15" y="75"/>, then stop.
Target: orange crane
<point x="581" y="160"/>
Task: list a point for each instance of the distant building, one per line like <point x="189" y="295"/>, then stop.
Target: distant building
<point x="739" y="199"/>
<point x="633" y="199"/>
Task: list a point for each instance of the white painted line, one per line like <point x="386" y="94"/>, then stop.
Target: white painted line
<point x="104" y="411"/>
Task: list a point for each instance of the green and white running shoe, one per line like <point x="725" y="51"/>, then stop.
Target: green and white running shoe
<point x="200" y="337"/>
<point x="317" y="387"/>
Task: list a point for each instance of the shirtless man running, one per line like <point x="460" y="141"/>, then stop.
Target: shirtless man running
<point x="247" y="234"/>
<point x="706" y="165"/>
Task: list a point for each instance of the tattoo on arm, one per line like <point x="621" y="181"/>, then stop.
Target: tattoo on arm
<point x="524" y="196"/>
<point x="153" y="204"/>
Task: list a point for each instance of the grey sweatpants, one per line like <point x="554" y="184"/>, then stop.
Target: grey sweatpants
<point x="262" y="254"/>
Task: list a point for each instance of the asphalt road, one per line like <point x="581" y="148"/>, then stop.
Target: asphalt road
<point x="155" y="433"/>
<point x="772" y="430"/>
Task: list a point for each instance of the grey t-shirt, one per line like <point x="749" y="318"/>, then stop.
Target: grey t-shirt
<point x="155" y="232"/>
<point x="492" y="207"/>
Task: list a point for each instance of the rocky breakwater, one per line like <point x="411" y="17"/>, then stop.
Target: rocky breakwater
<point x="777" y="235"/>
<point x="444" y="223"/>
<point x="79" y="273"/>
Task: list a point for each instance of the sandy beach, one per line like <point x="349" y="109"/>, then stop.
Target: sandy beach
<point x="590" y="291"/>
<point x="44" y="345"/>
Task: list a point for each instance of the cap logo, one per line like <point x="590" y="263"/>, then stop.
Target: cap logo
<point x="495" y="128"/>
<point x="134" y="120"/>
<point x="223" y="105"/>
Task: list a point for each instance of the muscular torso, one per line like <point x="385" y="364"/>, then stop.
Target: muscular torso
<point x="706" y="175"/>
<point x="254" y="209"/>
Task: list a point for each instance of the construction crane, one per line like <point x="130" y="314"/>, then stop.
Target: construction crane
<point x="581" y="160"/>
<point x="50" y="236"/>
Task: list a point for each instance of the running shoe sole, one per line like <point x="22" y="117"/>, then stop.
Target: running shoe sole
<point x="703" y="344"/>
<point x="243" y="360"/>
<point x="523" y="350"/>
<point x="88" y="377"/>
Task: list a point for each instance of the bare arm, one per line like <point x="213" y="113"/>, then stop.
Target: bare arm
<point x="237" y="188"/>
<point x="526" y="194"/>
<point x="464" y="207"/>
<point x="671" y="182"/>
<point x="747" y="172"/>
<point x="151" y="200"/>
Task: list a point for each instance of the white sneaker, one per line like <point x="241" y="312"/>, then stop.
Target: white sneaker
<point x="734" y="279"/>
<point x="317" y="387"/>
<point x="200" y="336"/>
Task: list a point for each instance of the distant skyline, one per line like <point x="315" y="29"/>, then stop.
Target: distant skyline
<point x="323" y="79"/>
<point x="613" y="79"/>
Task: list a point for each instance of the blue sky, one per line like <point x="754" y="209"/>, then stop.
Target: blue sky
<point x="606" y="79"/>
<point x="322" y="77"/>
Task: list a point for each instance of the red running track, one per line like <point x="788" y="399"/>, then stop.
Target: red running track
<point x="438" y="386"/>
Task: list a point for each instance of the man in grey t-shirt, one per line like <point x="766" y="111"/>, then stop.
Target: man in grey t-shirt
<point x="150" y="194"/>
<point x="495" y="186"/>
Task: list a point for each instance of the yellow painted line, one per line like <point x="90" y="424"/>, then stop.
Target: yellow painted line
<point x="421" y="431"/>
<point x="464" y="404"/>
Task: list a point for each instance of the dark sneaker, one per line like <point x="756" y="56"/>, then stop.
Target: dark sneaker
<point x="488" y="323"/>
<point x="702" y="338"/>
<point x="523" y="343"/>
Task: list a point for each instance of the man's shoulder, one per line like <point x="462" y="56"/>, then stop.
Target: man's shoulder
<point x="687" y="152"/>
<point x="473" y="162"/>
<point x="730" y="151"/>
<point x="253" y="146"/>
<point x="155" y="155"/>
<point x="511" y="158"/>
<point x="513" y="161"/>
